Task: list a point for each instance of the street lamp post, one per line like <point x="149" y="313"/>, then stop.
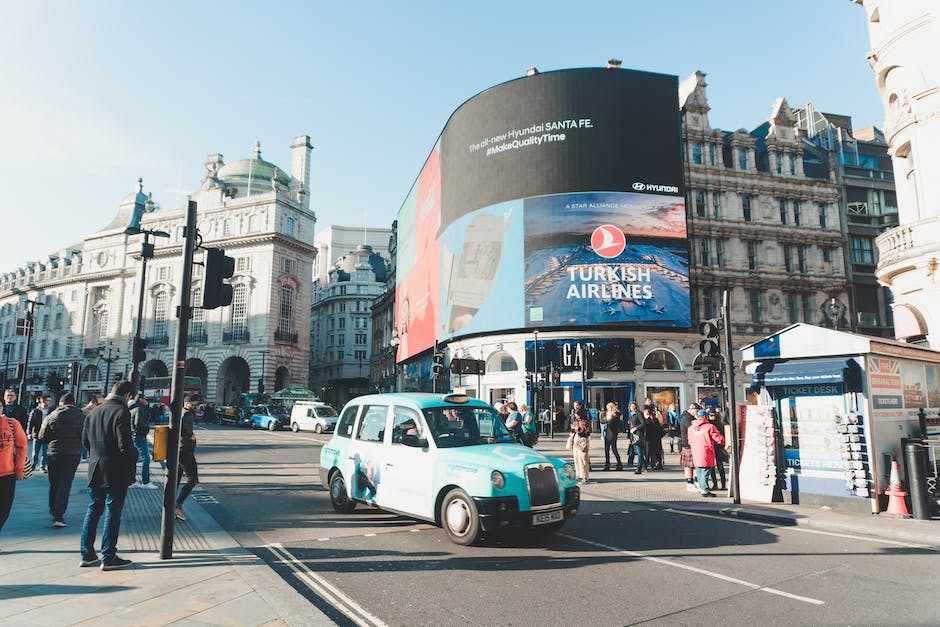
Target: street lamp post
<point x="261" y="378"/>
<point x="108" y="360"/>
<point x="393" y="343"/>
<point x="7" y="349"/>
<point x="30" y="322"/>
<point x="146" y="252"/>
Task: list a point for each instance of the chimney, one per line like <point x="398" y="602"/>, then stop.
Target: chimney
<point x="300" y="165"/>
<point x="613" y="64"/>
<point x="532" y="71"/>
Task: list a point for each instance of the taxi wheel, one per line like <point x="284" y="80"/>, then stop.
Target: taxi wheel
<point x="318" y="429"/>
<point x="339" y="499"/>
<point x="294" y="427"/>
<point x="460" y="518"/>
<point x="272" y="426"/>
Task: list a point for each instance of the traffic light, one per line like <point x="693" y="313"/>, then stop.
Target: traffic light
<point x="556" y="377"/>
<point x="140" y="354"/>
<point x="70" y="372"/>
<point x="710" y="330"/>
<point x="219" y="267"/>
<point x="528" y="382"/>
<point x="438" y="364"/>
<point x="708" y="376"/>
<point x="260" y="385"/>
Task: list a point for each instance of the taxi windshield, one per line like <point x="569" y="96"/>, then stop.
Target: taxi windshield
<point x="465" y="426"/>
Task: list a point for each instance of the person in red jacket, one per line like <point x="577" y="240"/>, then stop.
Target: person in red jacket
<point x="13" y="454"/>
<point x="703" y="436"/>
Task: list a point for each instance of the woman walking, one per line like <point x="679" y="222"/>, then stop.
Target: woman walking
<point x="582" y="448"/>
<point x="612" y="422"/>
<point x="13" y="452"/>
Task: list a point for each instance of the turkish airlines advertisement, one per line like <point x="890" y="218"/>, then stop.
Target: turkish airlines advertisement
<point x="554" y="200"/>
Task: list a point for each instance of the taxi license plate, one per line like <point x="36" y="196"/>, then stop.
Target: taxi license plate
<point x="547" y="517"/>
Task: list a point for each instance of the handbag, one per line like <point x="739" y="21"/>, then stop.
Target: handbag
<point x="570" y="443"/>
<point x="27" y="469"/>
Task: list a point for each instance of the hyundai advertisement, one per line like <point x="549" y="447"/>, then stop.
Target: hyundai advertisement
<point x="554" y="200"/>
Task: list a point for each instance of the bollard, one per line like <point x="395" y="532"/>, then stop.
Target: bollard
<point x="916" y="456"/>
<point x="161" y="434"/>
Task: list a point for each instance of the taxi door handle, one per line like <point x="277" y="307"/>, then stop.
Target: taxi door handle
<point x="388" y="465"/>
<point x="351" y="457"/>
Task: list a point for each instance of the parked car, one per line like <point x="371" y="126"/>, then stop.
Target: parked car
<point x="447" y="459"/>
<point x="312" y="416"/>
<point x="270" y="417"/>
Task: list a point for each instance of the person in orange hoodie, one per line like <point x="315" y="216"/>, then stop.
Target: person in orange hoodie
<point x="703" y="436"/>
<point x="13" y="452"/>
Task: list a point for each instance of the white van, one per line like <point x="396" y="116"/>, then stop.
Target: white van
<point x="312" y="416"/>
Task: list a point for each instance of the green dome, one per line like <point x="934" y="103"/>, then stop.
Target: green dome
<point x="260" y="170"/>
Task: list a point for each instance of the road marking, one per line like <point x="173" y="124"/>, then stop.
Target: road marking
<point x="325" y="590"/>
<point x="846" y="536"/>
<point x="701" y="571"/>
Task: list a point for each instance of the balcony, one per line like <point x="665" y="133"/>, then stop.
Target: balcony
<point x="235" y="335"/>
<point x="197" y="337"/>
<point x="156" y="341"/>
<point x="285" y="337"/>
<point x="901" y="247"/>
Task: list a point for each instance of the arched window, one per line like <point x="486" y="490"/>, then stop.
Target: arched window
<point x="239" y="311"/>
<point x="501" y="362"/>
<point x="661" y="359"/>
<point x="99" y="324"/>
<point x="91" y="374"/>
<point x="160" y="305"/>
<point x="197" y="329"/>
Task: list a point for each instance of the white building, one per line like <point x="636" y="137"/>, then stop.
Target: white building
<point x="254" y="210"/>
<point x="905" y="46"/>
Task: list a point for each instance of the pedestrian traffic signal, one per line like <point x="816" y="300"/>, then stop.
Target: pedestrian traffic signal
<point x="708" y="376"/>
<point x="140" y="344"/>
<point x="556" y="377"/>
<point x="711" y="335"/>
<point x="70" y="371"/>
<point x="219" y="267"/>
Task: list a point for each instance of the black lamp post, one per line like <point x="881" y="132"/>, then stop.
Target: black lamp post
<point x="30" y="323"/>
<point x="108" y="360"/>
<point x="7" y="349"/>
<point x="261" y="378"/>
<point x="393" y="343"/>
<point x="146" y="252"/>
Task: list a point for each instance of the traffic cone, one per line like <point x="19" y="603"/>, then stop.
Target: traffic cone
<point x="896" y="504"/>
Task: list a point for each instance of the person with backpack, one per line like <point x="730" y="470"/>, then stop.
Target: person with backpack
<point x="140" y="427"/>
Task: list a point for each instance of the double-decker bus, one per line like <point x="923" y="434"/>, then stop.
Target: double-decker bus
<point x="157" y="389"/>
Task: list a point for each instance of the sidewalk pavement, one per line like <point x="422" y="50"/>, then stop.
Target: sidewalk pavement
<point x="210" y="580"/>
<point x="213" y="580"/>
<point x="667" y="488"/>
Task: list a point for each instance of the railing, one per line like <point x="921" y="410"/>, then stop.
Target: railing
<point x="905" y="240"/>
<point x="198" y="337"/>
<point x="238" y="335"/>
<point x="158" y="340"/>
<point x="285" y="336"/>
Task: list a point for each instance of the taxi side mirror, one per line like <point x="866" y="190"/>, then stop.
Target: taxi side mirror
<point x="414" y="441"/>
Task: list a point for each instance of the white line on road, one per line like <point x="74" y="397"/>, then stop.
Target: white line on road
<point x="665" y="562"/>
<point x="325" y="590"/>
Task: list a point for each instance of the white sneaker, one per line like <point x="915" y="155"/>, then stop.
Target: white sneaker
<point x="691" y="487"/>
<point x="149" y="485"/>
<point x="136" y="484"/>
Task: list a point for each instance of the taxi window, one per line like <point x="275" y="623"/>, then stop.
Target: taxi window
<point x="465" y="426"/>
<point x="372" y="425"/>
<point x="405" y="421"/>
<point x="344" y="427"/>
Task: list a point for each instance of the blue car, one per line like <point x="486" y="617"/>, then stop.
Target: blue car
<point x="270" y="417"/>
<point x="447" y="459"/>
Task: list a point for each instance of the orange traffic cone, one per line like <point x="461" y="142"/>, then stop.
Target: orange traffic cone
<point x="896" y="504"/>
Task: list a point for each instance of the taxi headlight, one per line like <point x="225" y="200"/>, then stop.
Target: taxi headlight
<point x="568" y="471"/>
<point x="497" y="479"/>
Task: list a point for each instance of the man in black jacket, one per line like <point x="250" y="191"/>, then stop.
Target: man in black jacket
<point x="140" y="427"/>
<point x="39" y="413"/>
<point x="685" y="451"/>
<point x="637" y="426"/>
<point x="61" y="432"/>
<point x="14" y="410"/>
<point x="112" y="460"/>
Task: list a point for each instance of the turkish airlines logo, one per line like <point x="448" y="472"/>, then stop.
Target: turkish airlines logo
<point x="608" y="241"/>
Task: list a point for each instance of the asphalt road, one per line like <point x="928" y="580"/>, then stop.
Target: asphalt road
<point x="616" y="563"/>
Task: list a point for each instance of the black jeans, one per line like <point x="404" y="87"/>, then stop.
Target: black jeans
<point x="7" y="490"/>
<point x="608" y="446"/>
<point x="187" y="465"/>
<point x="61" y="473"/>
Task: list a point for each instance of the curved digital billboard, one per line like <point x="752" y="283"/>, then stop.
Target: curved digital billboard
<point x="554" y="200"/>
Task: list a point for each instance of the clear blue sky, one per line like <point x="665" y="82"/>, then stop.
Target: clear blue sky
<point x="95" y="94"/>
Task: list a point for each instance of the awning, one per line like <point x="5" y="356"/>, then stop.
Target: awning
<point x="797" y="372"/>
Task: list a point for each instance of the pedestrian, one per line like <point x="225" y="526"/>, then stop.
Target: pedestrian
<point x="558" y="417"/>
<point x="672" y="427"/>
<point x="545" y="417"/>
<point x="514" y="421"/>
<point x="612" y="425"/>
<point x="61" y="431"/>
<point x="87" y="409"/>
<point x="637" y="425"/>
<point x="633" y="415"/>
<point x="14" y="450"/>
<point x="578" y="411"/>
<point x="112" y="460"/>
<point x="654" y="439"/>
<point x="703" y="436"/>
<point x="40" y="411"/>
<point x="14" y="410"/>
<point x="187" y="460"/>
<point x="685" y="452"/>
<point x="140" y="427"/>
<point x="582" y="446"/>
<point x="721" y="454"/>
<point x="529" y="427"/>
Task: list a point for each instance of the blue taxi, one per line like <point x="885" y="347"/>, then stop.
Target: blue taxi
<point x="447" y="459"/>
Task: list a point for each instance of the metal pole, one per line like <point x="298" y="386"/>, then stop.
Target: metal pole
<point x="135" y="374"/>
<point x="7" y="349"/>
<point x="107" y="371"/>
<point x="29" y="340"/>
<point x="550" y="377"/>
<point x="535" y="383"/>
<point x="179" y="376"/>
<point x="732" y="403"/>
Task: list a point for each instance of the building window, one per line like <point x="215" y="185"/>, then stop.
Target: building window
<point x="862" y="250"/>
<point x="716" y="204"/>
<point x="783" y="210"/>
<point x="341" y="339"/>
<point x="360" y="338"/>
<point x="778" y="163"/>
<point x="793" y="307"/>
<point x="827" y="254"/>
<point x="99" y="325"/>
<point x="712" y="154"/>
<point x="807" y="308"/>
<point x="342" y="323"/>
<point x="360" y="355"/>
<point x="254" y="223"/>
<point x="661" y="359"/>
<point x="228" y="227"/>
<point x="340" y="355"/>
<point x="720" y="250"/>
<point x="788" y="257"/>
<point x="756" y="298"/>
<point x="705" y="252"/>
<point x="746" y="207"/>
<point x="289" y="227"/>
<point x="752" y="255"/>
<point x="198" y="327"/>
<point x="342" y="307"/>
<point x="160" y="304"/>
<point x="239" y="310"/>
<point x="243" y="264"/>
<point x="288" y="265"/>
<point x="42" y="350"/>
<point x="701" y="206"/>
<point x="697" y="153"/>
<point x="709" y="303"/>
<point x="801" y="256"/>
<point x="163" y="273"/>
<point x="823" y="218"/>
<point x="797" y="213"/>
<point x="742" y="158"/>
<point x="285" y="322"/>
<point x="55" y="348"/>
